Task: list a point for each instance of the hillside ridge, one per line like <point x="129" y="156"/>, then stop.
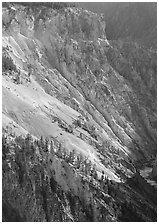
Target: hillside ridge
<point x="89" y="100"/>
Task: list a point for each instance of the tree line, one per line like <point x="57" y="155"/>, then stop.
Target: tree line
<point x="53" y="5"/>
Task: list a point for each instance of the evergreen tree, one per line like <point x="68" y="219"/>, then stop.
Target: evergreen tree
<point x="72" y="156"/>
<point x="78" y="162"/>
<point x="41" y="142"/>
<point x="88" y="167"/>
<point x="83" y="168"/>
<point x="52" y="148"/>
<point x="46" y="148"/>
<point x="59" y="151"/>
<point x="102" y="177"/>
<point x="5" y="148"/>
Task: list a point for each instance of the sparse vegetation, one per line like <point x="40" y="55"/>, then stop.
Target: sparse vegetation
<point x="25" y="168"/>
<point x="25" y="165"/>
<point x="53" y="5"/>
<point x="74" y="175"/>
<point x="8" y="64"/>
<point x="80" y="122"/>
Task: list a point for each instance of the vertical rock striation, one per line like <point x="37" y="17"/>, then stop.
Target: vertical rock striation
<point x="62" y="79"/>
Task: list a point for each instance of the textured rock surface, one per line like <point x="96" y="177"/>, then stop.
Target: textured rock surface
<point x="67" y="82"/>
<point x="154" y="170"/>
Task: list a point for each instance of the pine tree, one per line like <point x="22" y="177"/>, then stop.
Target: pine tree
<point x="102" y="177"/>
<point x="72" y="156"/>
<point x="92" y="171"/>
<point x="89" y="167"/>
<point x="95" y="175"/>
<point x="78" y="162"/>
<point x="46" y="148"/>
<point x="5" y="148"/>
<point x="59" y="151"/>
<point x="41" y="145"/>
<point x="41" y="142"/>
<point x="83" y="168"/>
<point x="52" y="148"/>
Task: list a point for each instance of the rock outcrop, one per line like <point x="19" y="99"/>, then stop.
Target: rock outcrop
<point x="63" y="80"/>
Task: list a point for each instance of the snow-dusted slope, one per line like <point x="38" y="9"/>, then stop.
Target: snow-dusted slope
<point x="65" y="83"/>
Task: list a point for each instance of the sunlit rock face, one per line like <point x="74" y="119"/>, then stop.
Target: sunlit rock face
<point x="96" y="97"/>
<point x="122" y="88"/>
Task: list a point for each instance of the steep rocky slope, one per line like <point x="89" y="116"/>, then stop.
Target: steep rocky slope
<point x="64" y="81"/>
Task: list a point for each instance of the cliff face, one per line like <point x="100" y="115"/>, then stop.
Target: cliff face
<point x="67" y="82"/>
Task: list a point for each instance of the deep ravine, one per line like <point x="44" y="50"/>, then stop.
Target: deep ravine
<point x="78" y="118"/>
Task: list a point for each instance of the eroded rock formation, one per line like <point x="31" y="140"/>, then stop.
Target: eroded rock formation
<point x="66" y="81"/>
